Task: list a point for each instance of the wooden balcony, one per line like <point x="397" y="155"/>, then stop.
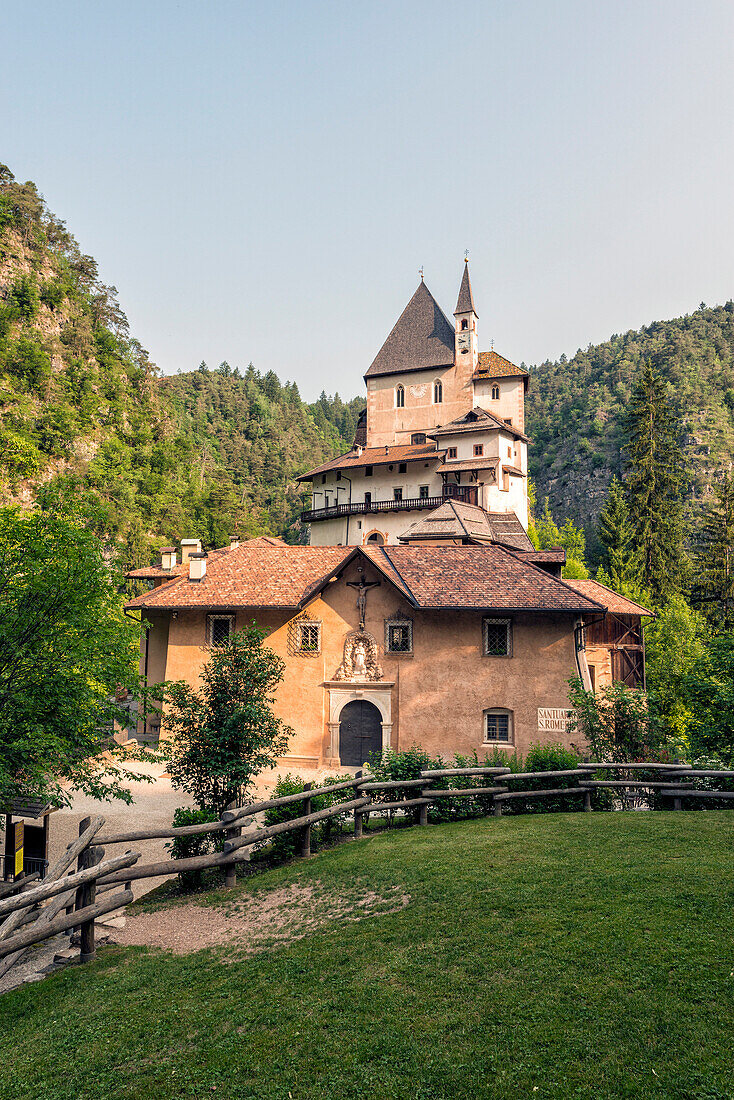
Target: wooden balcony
<point x="465" y="493"/>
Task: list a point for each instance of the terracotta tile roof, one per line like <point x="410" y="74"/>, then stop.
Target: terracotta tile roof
<point x="482" y="578"/>
<point x="156" y="572"/>
<point x="455" y="519"/>
<point x="376" y="456"/>
<point x="477" y="420"/>
<point x="558" y="555"/>
<point x="473" y="577"/>
<point x="492" y="365"/>
<point x="250" y="576"/>
<point x="451" y="465"/>
<point x="422" y="338"/>
<point x="610" y="600"/>
<point x="514" y="471"/>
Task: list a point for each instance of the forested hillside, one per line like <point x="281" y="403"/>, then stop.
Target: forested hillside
<point x="84" y="414"/>
<point x="574" y="408"/>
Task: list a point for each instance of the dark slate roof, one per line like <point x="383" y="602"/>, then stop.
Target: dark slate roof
<point x="476" y="420"/>
<point x="456" y="520"/>
<point x="422" y="338"/>
<point x="465" y="301"/>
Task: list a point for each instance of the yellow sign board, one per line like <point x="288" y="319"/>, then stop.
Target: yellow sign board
<point x="19" y="830"/>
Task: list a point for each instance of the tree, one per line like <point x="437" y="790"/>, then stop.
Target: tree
<point x="67" y="648"/>
<point x="709" y="692"/>
<point x="615" y="535"/>
<point x="675" y="641"/>
<point x="615" y="722"/>
<point x="655" y="482"/>
<point x="715" y="557"/>
<point x="225" y="734"/>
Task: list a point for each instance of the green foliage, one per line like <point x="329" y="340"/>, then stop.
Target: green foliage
<point x="27" y="362"/>
<point x="198" y="844"/>
<point x="615" y="536"/>
<point x="66" y="648"/>
<point x="18" y="457"/>
<point x="655" y="482"/>
<point x="708" y="692"/>
<point x="587" y="397"/>
<point x="225" y="733"/>
<point x="615" y="722"/>
<point x="287" y="846"/>
<point x="675" y="642"/>
<point x="547" y="535"/>
<point x="715" y="557"/>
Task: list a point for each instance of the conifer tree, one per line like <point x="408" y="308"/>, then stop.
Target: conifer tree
<point x="715" y="557"/>
<point x="615" y="535"/>
<point x="655" y="483"/>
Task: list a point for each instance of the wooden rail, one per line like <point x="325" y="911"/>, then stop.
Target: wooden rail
<point x="31" y="911"/>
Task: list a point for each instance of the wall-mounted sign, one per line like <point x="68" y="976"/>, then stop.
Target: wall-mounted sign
<point x="18" y="846"/>
<point x="553" y="719"/>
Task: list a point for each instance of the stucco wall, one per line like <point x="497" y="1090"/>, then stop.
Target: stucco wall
<point x="440" y="692"/>
<point x="511" y="403"/>
<point x="387" y="424"/>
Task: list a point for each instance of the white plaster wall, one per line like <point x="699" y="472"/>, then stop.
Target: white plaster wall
<point x="511" y="403"/>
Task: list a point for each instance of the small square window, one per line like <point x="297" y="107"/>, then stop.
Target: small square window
<point x="497" y="637"/>
<point x="451" y="452"/>
<point x="418" y="437"/>
<point x="399" y="636"/>
<point x="368" y="471"/>
<point x="402" y="468"/>
<point x="478" y="450"/>
<point x="498" y="726"/>
<point x="309" y="637"/>
<point x="397" y="494"/>
<point x="423" y="492"/>
<point x="219" y="629"/>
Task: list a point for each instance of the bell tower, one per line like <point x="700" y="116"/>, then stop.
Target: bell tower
<point x="466" y="326"/>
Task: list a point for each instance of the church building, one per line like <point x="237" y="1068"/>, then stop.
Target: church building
<point x="420" y="613"/>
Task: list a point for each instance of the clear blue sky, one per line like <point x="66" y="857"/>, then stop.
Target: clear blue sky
<point x="262" y="181"/>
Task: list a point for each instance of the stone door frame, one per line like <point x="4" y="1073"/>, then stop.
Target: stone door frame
<point x="342" y="692"/>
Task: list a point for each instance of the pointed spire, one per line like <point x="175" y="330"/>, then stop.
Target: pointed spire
<point x="465" y="302"/>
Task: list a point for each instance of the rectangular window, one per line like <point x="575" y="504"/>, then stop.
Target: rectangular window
<point x="367" y="501"/>
<point x="497" y="637"/>
<point x="423" y="492"/>
<point x="505" y="481"/>
<point x="418" y="437"/>
<point x="478" y="450"/>
<point x="402" y="468"/>
<point x="498" y="726"/>
<point x="397" y="494"/>
<point x="219" y="629"/>
<point x="507" y="420"/>
<point x="398" y="636"/>
<point x="368" y="471"/>
<point x="309" y="640"/>
<point x="338" y="475"/>
<point x="451" y="452"/>
<point x="323" y="479"/>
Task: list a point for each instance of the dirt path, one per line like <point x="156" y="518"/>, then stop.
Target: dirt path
<point x="255" y="922"/>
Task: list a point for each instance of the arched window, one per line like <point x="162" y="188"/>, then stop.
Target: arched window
<point x="376" y="538"/>
<point x="495" y="393"/>
<point x="437" y="392"/>
<point x="399" y="397"/>
<point x="464" y="324"/>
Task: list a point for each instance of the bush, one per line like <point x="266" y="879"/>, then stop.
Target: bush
<point x="199" y="844"/>
<point x="285" y="847"/>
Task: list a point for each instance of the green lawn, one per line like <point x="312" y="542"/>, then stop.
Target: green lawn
<point x="564" y="955"/>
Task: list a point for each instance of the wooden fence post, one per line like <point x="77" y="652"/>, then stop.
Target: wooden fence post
<point x="86" y="896"/>
<point x="677" y="804"/>
<point x="357" y="813"/>
<point x="230" y="871"/>
<point x="496" y="808"/>
<point x="587" y="802"/>
<point x="306" y="838"/>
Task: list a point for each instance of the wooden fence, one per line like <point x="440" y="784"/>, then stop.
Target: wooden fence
<point x="83" y="885"/>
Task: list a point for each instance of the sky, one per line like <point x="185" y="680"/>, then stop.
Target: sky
<point x="263" y="181"/>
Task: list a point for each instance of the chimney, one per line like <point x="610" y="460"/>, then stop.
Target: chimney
<point x="234" y="541"/>
<point x="197" y="566"/>
<point x="168" y="557"/>
<point x="189" y="547"/>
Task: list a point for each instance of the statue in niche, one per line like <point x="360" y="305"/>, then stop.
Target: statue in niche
<point x="360" y="658"/>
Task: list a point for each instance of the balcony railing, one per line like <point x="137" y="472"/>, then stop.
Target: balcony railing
<point x="465" y="493"/>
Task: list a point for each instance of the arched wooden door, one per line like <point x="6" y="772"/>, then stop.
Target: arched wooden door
<point x="360" y="732"/>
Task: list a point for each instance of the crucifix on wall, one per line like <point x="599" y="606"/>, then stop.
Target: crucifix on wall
<point x="362" y="586"/>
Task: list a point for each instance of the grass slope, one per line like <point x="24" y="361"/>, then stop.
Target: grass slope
<point x="542" y="956"/>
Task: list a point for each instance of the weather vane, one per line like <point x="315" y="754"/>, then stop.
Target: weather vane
<point x="420" y="272"/>
<point x="466" y="255"/>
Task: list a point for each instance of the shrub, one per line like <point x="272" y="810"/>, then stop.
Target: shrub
<point x="285" y="847"/>
<point x="18" y="456"/>
<point x="199" y="844"/>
